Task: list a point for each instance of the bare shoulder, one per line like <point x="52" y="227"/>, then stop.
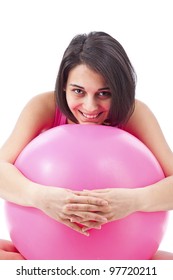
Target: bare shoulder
<point x="41" y="103"/>
<point x="141" y="119"/>
<point x="144" y="125"/>
<point x="37" y="115"/>
<point x="41" y="108"/>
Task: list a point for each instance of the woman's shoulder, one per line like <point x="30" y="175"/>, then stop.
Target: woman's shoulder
<point x="141" y="112"/>
<point x="141" y="120"/>
<point x="37" y="116"/>
<point x="44" y="99"/>
<point x="140" y="105"/>
<point x="44" y="106"/>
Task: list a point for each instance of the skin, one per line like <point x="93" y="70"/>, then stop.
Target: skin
<point x="87" y="95"/>
<point x="89" y="99"/>
<point x="8" y="251"/>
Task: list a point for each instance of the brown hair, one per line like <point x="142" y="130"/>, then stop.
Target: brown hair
<point x="105" y="55"/>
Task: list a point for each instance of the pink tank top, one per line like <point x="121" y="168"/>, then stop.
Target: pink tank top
<point x="60" y="119"/>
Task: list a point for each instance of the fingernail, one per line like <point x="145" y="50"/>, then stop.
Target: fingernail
<point x="104" y="203"/>
<point x="103" y="220"/>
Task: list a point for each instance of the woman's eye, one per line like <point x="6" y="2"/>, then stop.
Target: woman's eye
<point x="104" y="94"/>
<point x="78" y="91"/>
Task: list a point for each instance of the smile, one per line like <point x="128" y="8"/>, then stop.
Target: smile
<point x="90" y="116"/>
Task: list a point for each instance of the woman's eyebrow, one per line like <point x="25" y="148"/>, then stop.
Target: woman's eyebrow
<point x="75" y="85"/>
<point x="104" y="88"/>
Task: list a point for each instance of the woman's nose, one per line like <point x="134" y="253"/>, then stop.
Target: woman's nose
<point x="90" y="105"/>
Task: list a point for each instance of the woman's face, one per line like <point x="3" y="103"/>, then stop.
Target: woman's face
<point x="88" y="95"/>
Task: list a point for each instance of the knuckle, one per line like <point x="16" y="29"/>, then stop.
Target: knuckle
<point x="107" y="208"/>
<point x="86" y="216"/>
<point x="96" y="218"/>
<point x="91" y="224"/>
<point x="87" y="207"/>
<point x="65" y="209"/>
<point x="68" y="200"/>
<point x="98" y="201"/>
<point x="88" y="201"/>
<point x="61" y="216"/>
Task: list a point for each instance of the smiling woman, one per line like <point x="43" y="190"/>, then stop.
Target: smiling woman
<point x="87" y="95"/>
<point x="95" y="85"/>
<point x="103" y="61"/>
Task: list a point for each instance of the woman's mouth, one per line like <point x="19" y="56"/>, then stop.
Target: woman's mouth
<point x="90" y="116"/>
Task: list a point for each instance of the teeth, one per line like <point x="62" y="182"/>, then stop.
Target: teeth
<point x="90" y="116"/>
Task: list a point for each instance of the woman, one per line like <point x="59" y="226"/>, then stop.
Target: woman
<point x="95" y="85"/>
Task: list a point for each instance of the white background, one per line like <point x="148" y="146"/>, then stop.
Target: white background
<point x="34" y="34"/>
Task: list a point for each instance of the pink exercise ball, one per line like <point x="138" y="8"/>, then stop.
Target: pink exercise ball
<point x="87" y="157"/>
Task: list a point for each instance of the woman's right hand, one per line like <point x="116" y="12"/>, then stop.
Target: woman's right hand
<point x="55" y="202"/>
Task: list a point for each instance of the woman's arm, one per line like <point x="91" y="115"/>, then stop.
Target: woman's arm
<point x="37" y="116"/>
<point x="145" y="127"/>
<point x="155" y="197"/>
<point x="31" y="122"/>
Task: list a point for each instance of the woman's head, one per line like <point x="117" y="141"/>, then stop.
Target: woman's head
<point x="105" y="56"/>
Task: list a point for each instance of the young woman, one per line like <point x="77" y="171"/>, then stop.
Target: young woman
<point x="95" y="85"/>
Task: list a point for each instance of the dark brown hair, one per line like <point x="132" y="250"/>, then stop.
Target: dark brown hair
<point x="105" y="55"/>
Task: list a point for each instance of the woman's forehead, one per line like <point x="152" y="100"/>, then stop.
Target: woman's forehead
<point x="84" y="76"/>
